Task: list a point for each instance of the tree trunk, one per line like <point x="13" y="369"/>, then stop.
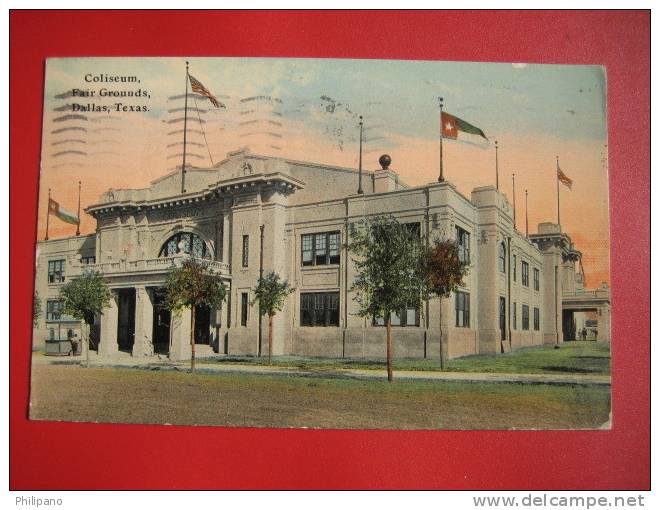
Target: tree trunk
<point x="192" y="339"/>
<point x="270" y="337"/>
<point x="388" y="324"/>
<point x="442" y="343"/>
<point x="86" y="339"/>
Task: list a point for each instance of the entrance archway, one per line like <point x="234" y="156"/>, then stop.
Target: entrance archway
<point x="161" y="326"/>
<point x="202" y="325"/>
<point x="126" y="319"/>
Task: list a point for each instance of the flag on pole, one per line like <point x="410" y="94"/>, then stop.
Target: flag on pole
<point x="197" y="86"/>
<point x="55" y="209"/>
<point x="564" y="179"/>
<point x="452" y="126"/>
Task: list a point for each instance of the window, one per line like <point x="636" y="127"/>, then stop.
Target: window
<point x="525" y="273"/>
<point x="514" y="318"/>
<point x="462" y="310"/>
<point x="537" y="278"/>
<point x="244" y="308"/>
<point x="246" y="251"/>
<point x="537" y="319"/>
<point x="55" y="271"/>
<point x="320" y="249"/>
<point x="502" y="258"/>
<point x="408" y="316"/>
<point x="54" y="310"/>
<point x="185" y="243"/>
<point x="319" y="309"/>
<point x="515" y="269"/>
<point x="414" y="228"/>
<point x="525" y="317"/>
<point x="88" y="260"/>
<point x="463" y="241"/>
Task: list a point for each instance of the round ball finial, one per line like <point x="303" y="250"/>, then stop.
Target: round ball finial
<point x="385" y="160"/>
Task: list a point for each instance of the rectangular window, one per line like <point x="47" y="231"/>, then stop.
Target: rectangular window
<point x="88" y="260"/>
<point x="462" y="310"/>
<point x="463" y="242"/>
<point x="246" y="251"/>
<point x="55" y="271"/>
<point x="54" y="310"/>
<point x="525" y="317"/>
<point x="515" y="268"/>
<point x="502" y="258"/>
<point x="537" y="279"/>
<point x="405" y="317"/>
<point x="320" y="309"/>
<point x="514" y="319"/>
<point x="414" y="228"/>
<point x="320" y="249"/>
<point x="308" y="249"/>
<point x="525" y="274"/>
<point x="244" y="308"/>
<point x="333" y="247"/>
<point x="537" y="319"/>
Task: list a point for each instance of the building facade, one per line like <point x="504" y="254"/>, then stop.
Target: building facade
<point x="251" y="213"/>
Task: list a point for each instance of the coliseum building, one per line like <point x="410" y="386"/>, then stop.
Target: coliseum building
<point x="250" y="213"/>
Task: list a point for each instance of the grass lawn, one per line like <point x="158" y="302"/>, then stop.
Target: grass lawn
<point x="72" y="393"/>
<point x="571" y="358"/>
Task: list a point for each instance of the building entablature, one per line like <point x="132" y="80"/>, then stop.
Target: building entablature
<point x="274" y="182"/>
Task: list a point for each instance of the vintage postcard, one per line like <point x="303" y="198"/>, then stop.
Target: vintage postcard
<point x="323" y="243"/>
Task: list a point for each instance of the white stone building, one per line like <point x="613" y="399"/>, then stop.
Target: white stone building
<point x="252" y="212"/>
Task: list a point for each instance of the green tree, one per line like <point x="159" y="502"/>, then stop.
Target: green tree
<point x="83" y="298"/>
<point x="270" y="293"/>
<point x="445" y="274"/>
<point x="391" y="275"/>
<point x="190" y="285"/>
<point x="36" y="309"/>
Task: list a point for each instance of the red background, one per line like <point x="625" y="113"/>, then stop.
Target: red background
<point x="138" y="456"/>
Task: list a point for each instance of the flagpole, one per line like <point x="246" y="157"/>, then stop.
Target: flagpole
<point x="78" y="225"/>
<point x="360" y="192"/>
<point x="557" y="177"/>
<point x="513" y="178"/>
<point x="526" y="217"/>
<point x="185" y="131"/>
<point x="441" y="178"/>
<point x="47" y="215"/>
<point x="497" y="169"/>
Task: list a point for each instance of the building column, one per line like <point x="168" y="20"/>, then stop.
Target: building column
<point x="180" y="326"/>
<point x="604" y="325"/>
<point x="108" y="340"/>
<point x="226" y="237"/>
<point x="144" y="322"/>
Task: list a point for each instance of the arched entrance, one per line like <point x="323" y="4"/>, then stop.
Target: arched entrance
<point x="202" y="325"/>
<point x="161" y="326"/>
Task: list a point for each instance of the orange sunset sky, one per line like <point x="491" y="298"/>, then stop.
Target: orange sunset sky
<point x="536" y="112"/>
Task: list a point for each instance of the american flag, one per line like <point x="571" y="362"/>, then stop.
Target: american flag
<point x="197" y="86"/>
<point x="563" y="178"/>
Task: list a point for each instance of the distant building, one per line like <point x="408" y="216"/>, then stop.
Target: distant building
<point x="513" y="295"/>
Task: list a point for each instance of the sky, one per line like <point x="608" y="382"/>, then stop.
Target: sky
<point x="535" y="112"/>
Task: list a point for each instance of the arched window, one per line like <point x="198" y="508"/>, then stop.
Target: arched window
<point x="185" y="242"/>
<point x="502" y="258"/>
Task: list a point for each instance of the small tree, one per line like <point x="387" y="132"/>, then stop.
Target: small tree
<point x="445" y="275"/>
<point x="390" y="271"/>
<point x="270" y="293"/>
<point x="36" y="309"/>
<point x="191" y="285"/>
<point x="83" y="298"/>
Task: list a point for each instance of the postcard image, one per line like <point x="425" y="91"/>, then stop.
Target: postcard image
<point x="323" y="243"/>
